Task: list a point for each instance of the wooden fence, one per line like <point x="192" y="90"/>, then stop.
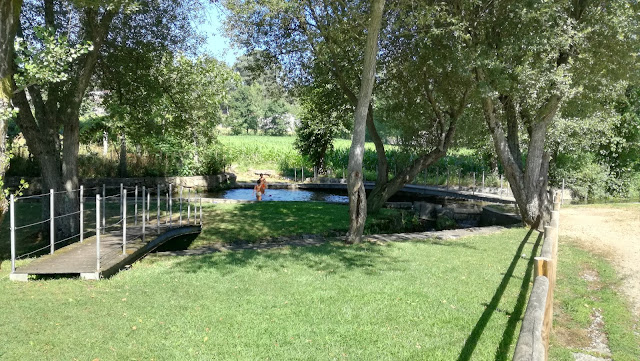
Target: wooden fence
<point x="533" y="341"/>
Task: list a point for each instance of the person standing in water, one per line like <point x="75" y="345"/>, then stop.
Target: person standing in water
<point x="257" y="189"/>
<point x="263" y="184"/>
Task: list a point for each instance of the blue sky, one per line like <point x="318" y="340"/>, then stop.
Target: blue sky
<point x="216" y="44"/>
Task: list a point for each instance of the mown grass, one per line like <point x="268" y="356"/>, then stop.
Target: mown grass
<point x="257" y="221"/>
<point x="576" y="298"/>
<point x="431" y="300"/>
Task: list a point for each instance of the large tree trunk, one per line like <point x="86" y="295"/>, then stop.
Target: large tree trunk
<point x="355" y="185"/>
<point x="61" y="108"/>
<point x="528" y="183"/>
<point x="383" y="191"/>
<point x="384" y="188"/>
<point x="9" y="20"/>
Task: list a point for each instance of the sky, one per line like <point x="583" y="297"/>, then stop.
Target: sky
<point x="216" y="44"/>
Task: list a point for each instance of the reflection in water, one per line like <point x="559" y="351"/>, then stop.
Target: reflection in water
<point x="281" y="195"/>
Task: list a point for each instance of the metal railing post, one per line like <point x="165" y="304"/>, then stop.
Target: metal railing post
<point x="52" y="233"/>
<point x="98" y="233"/>
<point x="148" y="205"/>
<point x="474" y="182"/>
<point x="158" y="209"/>
<point x="483" y="181"/>
<point x="135" y="207"/>
<point x="81" y="214"/>
<point x="188" y="206"/>
<point x="166" y="221"/>
<point x="12" y="225"/>
<point x="104" y="209"/>
<point x="200" y="211"/>
<point x="121" y="191"/>
<point x="500" y="185"/>
<point x="195" y="209"/>
<point x="144" y="219"/>
<point x="181" y="188"/>
<point x="124" y="221"/>
<point x="562" y="195"/>
<point x="170" y="204"/>
<point x="447" y="178"/>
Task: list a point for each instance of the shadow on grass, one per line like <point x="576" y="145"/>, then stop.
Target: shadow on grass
<point x="256" y="221"/>
<point x="508" y="334"/>
<point x="332" y="257"/>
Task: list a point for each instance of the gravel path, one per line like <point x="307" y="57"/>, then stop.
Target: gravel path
<point x="613" y="232"/>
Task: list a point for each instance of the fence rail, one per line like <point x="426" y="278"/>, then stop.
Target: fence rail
<point x="533" y="341"/>
<point x="64" y="227"/>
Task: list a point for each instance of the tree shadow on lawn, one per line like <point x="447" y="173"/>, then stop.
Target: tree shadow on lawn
<point x="515" y="316"/>
<point x="326" y="257"/>
<point x="257" y="221"/>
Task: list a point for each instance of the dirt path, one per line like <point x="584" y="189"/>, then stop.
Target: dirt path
<point x="613" y="232"/>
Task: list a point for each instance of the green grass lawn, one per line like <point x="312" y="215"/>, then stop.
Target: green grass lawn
<point x="439" y="300"/>
<point x="429" y="300"/>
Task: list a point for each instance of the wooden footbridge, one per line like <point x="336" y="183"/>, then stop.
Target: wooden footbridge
<point x="92" y="252"/>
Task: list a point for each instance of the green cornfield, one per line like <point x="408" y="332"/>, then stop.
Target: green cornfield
<point x="278" y="153"/>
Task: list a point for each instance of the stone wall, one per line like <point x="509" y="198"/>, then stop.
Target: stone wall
<point x="492" y="217"/>
<point x="209" y="183"/>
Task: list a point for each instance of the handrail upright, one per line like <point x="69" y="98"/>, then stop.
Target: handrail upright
<point x="158" y="209"/>
<point x="12" y="225"/>
<point x="52" y="234"/>
<point x="144" y="219"/>
<point x="135" y="206"/>
<point x="104" y="209"/>
<point x="124" y="222"/>
<point x="98" y="233"/>
<point x="81" y="214"/>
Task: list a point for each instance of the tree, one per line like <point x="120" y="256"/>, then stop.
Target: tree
<point x="526" y="71"/>
<point x="319" y="44"/>
<point x="70" y="36"/>
<point x="325" y="114"/>
<point x="424" y="90"/>
<point x="355" y="184"/>
<point x="9" y="19"/>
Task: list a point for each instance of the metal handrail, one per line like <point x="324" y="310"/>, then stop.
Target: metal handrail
<point x="165" y="208"/>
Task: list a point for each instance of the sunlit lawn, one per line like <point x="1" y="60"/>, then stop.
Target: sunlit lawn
<point x="413" y="300"/>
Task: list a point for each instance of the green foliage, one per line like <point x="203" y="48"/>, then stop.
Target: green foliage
<point x="48" y="61"/>
<point x="444" y="222"/>
<point x="586" y="177"/>
<point x="324" y="116"/>
<point x="261" y="101"/>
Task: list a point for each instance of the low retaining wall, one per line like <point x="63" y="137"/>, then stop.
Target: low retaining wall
<point x="492" y="217"/>
<point x="209" y="183"/>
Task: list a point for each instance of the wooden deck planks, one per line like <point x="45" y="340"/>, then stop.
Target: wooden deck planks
<point x="80" y="258"/>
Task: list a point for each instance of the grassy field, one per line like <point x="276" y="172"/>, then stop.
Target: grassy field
<point x="432" y="300"/>
<point x="248" y="153"/>
<point x="399" y="301"/>
<point x="426" y="300"/>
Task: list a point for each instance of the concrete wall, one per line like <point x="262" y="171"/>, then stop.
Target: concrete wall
<point x="211" y="182"/>
<point x="491" y="217"/>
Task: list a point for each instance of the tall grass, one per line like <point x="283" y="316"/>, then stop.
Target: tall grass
<point x="278" y="153"/>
